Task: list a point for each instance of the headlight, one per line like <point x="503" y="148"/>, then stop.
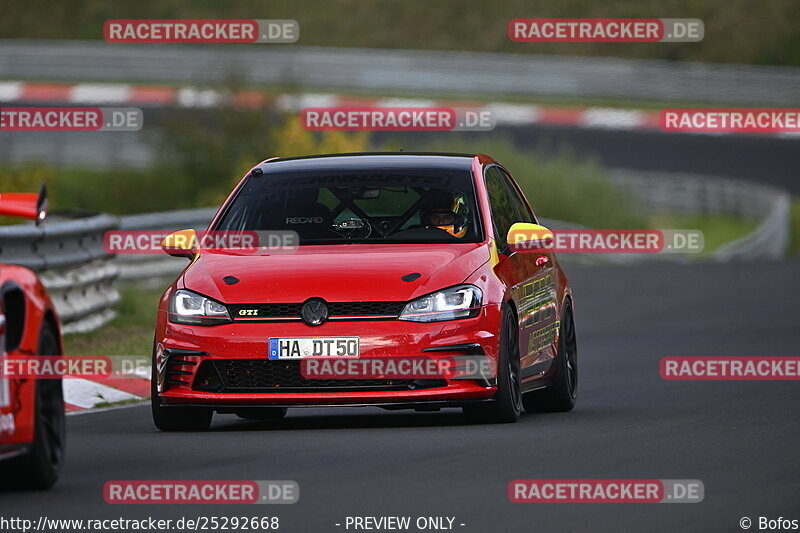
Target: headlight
<point x="463" y="301"/>
<point x="187" y="307"/>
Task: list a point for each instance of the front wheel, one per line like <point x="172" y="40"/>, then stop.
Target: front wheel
<point x="39" y="468"/>
<point x="507" y="405"/>
<point x="563" y="393"/>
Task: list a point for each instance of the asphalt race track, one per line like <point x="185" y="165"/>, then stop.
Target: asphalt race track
<point x="765" y="159"/>
<point x="740" y="438"/>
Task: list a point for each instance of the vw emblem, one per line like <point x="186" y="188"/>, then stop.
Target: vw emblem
<point x="314" y="312"/>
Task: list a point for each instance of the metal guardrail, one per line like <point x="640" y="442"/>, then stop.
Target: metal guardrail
<point x="82" y="277"/>
<point x="770" y="239"/>
<point x="73" y="265"/>
<point x="600" y="259"/>
<point x="415" y="71"/>
<point x="155" y="268"/>
<point x="84" y="297"/>
<point x="693" y="194"/>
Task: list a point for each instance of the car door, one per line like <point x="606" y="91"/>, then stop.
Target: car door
<point x="512" y="268"/>
<point x="533" y="290"/>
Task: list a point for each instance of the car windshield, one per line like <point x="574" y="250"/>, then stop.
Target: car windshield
<point x="404" y="206"/>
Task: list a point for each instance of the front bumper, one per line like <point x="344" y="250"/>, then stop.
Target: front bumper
<point x="182" y="350"/>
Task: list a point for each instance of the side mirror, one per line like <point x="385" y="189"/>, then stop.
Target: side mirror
<point x="527" y="236"/>
<point x="182" y="243"/>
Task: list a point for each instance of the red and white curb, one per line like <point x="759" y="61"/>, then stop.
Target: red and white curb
<point x="83" y="394"/>
<point x="505" y="114"/>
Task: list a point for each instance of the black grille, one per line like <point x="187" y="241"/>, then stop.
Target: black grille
<point x="335" y="309"/>
<point x="264" y="375"/>
<point x="365" y="308"/>
<point x="179" y="367"/>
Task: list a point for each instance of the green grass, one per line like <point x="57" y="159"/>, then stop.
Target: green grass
<point x="717" y="230"/>
<point x="120" y="192"/>
<point x="558" y="184"/>
<point x="130" y="333"/>
<point x="741" y="31"/>
<point x="794" y="227"/>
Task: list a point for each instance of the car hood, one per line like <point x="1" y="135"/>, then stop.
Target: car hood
<point x="341" y="273"/>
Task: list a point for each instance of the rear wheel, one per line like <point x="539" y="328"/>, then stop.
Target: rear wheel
<point x="177" y="418"/>
<point x="563" y="393"/>
<point x="39" y="468"/>
<point x="508" y="402"/>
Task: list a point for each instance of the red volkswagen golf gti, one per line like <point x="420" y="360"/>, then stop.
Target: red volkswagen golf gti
<point x="395" y="256"/>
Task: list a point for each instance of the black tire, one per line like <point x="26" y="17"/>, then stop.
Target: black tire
<point x="507" y="405"/>
<point x="40" y="467"/>
<point x="262" y="413"/>
<point x="177" y="418"/>
<point x="562" y="394"/>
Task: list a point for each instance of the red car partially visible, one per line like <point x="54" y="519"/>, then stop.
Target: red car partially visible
<point x="32" y="424"/>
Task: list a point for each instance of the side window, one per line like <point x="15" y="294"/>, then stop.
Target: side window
<point x="525" y="213"/>
<point x="504" y="213"/>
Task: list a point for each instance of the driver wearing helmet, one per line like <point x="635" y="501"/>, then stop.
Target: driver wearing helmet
<point x="446" y="213"/>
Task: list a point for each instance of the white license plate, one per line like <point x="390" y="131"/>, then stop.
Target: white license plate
<point x="299" y="347"/>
